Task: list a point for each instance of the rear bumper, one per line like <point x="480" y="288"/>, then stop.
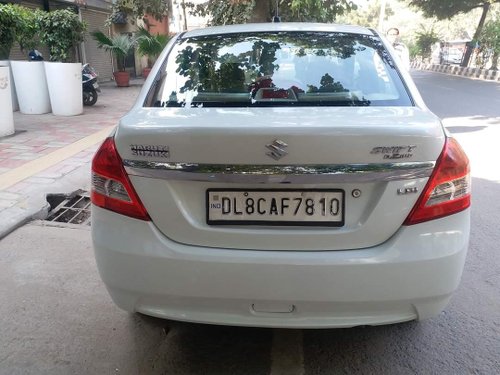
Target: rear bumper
<point x="411" y="276"/>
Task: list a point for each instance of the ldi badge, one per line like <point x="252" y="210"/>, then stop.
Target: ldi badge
<point x="394" y="152"/>
<point x="404" y="191"/>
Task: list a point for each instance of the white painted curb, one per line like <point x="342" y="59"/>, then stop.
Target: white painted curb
<point x="485" y="74"/>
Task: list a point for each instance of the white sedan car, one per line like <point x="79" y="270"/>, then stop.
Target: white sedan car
<point x="281" y="175"/>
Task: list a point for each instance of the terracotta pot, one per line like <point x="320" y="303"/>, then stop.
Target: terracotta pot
<point x="122" y="79"/>
<point x="145" y="72"/>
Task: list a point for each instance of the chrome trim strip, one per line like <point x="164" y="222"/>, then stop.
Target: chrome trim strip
<point x="284" y="174"/>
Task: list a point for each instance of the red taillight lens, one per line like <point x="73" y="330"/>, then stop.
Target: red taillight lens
<point x="111" y="187"/>
<point x="448" y="189"/>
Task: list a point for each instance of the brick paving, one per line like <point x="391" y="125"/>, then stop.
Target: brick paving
<point x="39" y="135"/>
<point x="42" y="134"/>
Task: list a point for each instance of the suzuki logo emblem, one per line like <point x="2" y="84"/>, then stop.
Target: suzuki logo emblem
<point x="277" y="149"/>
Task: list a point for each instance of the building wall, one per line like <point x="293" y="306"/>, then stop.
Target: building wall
<point x="99" y="59"/>
<point x="155" y="26"/>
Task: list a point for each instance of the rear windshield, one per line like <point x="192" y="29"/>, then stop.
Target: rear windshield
<point x="279" y="69"/>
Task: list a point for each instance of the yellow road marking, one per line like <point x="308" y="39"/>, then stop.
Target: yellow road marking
<point x="33" y="167"/>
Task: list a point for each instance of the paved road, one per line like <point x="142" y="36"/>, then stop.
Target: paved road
<point x="455" y="96"/>
<point x="56" y="317"/>
<point x="470" y="110"/>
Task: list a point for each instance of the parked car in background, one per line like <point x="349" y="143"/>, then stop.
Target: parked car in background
<point x="452" y="56"/>
<point x="281" y="175"/>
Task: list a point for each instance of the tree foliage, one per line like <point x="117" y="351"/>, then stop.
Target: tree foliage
<point x="315" y="10"/>
<point x="489" y="41"/>
<point x="424" y="40"/>
<point x="27" y="34"/>
<point x="134" y="9"/>
<point x="367" y="16"/>
<point x="224" y="12"/>
<point x="448" y="8"/>
<point x="490" y="36"/>
<point x="9" y="20"/>
<point x="443" y="9"/>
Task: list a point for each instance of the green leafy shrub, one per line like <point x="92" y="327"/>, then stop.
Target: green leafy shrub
<point x="28" y="28"/>
<point x="61" y="30"/>
<point x="9" y="20"/>
<point x="425" y="40"/>
<point x="490" y="40"/>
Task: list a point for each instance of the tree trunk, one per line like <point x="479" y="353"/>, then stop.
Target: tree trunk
<point x="470" y="48"/>
<point x="494" y="61"/>
<point x="262" y="11"/>
<point x="184" y="14"/>
<point x="381" y="17"/>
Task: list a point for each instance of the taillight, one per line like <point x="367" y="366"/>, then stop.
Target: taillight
<point x="111" y="187"/>
<point x="448" y="189"/>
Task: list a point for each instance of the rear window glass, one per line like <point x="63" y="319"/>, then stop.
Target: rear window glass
<point x="278" y="69"/>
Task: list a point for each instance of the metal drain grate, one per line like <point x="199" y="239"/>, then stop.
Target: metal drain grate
<point x="74" y="209"/>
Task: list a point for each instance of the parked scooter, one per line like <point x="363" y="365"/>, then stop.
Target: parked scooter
<point x="90" y="85"/>
<point x="35" y="55"/>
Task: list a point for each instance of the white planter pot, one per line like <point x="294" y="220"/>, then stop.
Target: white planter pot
<point x="7" y="118"/>
<point x="15" y="104"/>
<point x="31" y="86"/>
<point x="65" y="88"/>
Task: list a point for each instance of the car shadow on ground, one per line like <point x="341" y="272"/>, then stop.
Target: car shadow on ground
<point x="465" y="129"/>
<point x="168" y="347"/>
<point x="463" y="125"/>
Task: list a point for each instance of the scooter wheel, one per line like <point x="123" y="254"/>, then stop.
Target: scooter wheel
<point x="90" y="97"/>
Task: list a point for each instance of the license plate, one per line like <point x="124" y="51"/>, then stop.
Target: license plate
<point x="95" y="85"/>
<point x="316" y="207"/>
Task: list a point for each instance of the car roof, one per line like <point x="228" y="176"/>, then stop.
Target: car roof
<point x="278" y="26"/>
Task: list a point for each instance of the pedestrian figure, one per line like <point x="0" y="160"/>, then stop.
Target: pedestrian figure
<point x="401" y="49"/>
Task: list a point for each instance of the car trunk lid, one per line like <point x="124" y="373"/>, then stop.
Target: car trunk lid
<point x="379" y="158"/>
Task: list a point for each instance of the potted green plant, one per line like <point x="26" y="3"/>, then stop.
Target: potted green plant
<point x="120" y="46"/>
<point x="28" y="28"/>
<point x="151" y="46"/>
<point x="61" y="30"/>
<point x="33" y="99"/>
<point x="9" y="20"/>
